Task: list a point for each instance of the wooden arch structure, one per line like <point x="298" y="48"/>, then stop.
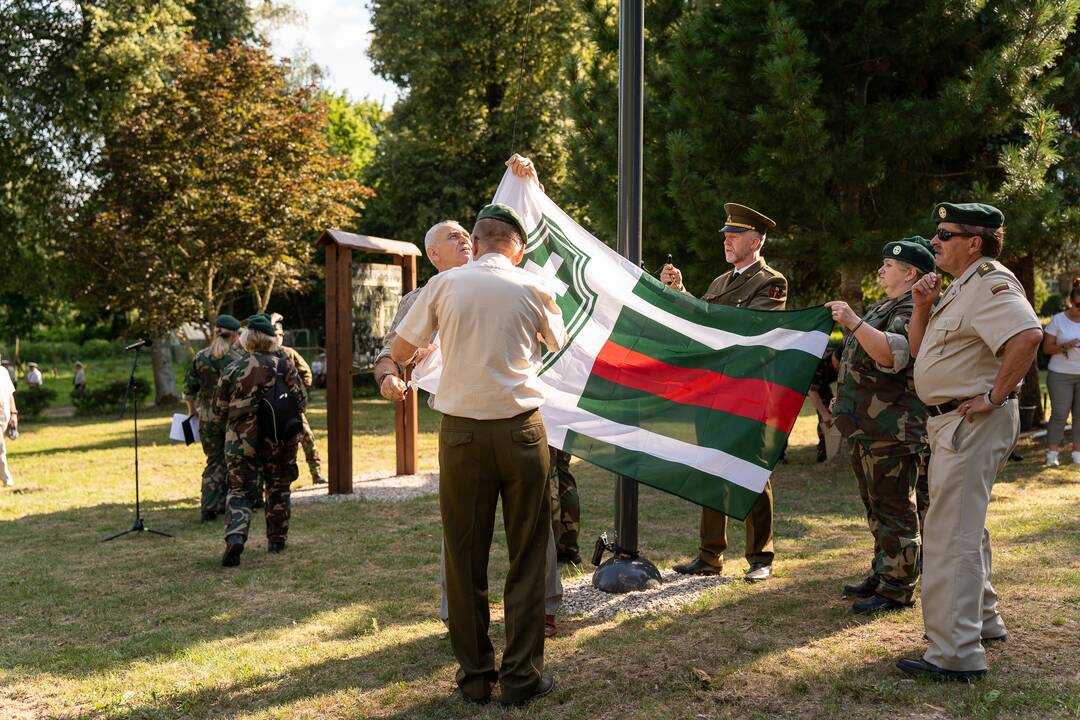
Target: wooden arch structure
<point x="339" y="353"/>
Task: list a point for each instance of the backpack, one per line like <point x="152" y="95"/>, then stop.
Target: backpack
<point x="278" y="410"/>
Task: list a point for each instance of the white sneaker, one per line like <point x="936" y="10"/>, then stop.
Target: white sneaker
<point x="1076" y="457"/>
<point x="1052" y="458"/>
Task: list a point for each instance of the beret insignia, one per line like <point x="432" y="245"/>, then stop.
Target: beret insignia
<point x="896" y="250"/>
<point x="941" y="212"/>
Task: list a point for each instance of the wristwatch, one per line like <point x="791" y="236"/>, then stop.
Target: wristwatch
<point x="993" y="404"/>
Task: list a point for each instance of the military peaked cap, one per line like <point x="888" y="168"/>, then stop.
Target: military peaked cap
<point x="741" y="218"/>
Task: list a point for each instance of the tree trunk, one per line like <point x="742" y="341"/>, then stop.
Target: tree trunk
<point x="1030" y="391"/>
<point x="164" y="379"/>
<point x="851" y="288"/>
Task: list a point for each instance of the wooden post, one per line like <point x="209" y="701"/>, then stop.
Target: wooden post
<point x="339" y="367"/>
<point x="405" y="414"/>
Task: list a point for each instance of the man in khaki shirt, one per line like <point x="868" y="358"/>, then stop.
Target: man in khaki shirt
<point x="973" y="344"/>
<point x="491" y="318"/>
<point x="749" y="284"/>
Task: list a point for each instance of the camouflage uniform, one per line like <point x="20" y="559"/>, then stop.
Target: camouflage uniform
<point x="885" y="423"/>
<point x="565" y="505"/>
<point x="307" y="440"/>
<point x="246" y="455"/>
<point x="199" y="384"/>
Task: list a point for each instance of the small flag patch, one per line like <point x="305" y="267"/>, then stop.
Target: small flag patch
<point x="1000" y="287"/>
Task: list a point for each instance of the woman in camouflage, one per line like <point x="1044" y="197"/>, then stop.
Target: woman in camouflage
<point x="199" y="384"/>
<point x="877" y="410"/>
<point x="247" y="454"/>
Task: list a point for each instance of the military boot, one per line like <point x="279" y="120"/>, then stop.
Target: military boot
<point x="865" y="589"/>
<point x="234" y="545"/>
<point x="275" y="546"/>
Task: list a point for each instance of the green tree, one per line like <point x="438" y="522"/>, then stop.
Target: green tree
<point x="219" y="22"/>
<point x="593" y="148"/>
<point x="353" y="129"/>
<point x="212" y="186"/>
<point x="847" y="122"/>
<point x="66" y="70"/>
<point x="482" y="80"/>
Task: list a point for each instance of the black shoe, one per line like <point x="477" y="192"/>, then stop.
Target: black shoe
<point x="258" y="504"/>
<point x="208" y="516"/>
<point x="234" y="545"/>
<point x="920" y="668"/>
<point x="544" y="687"/>
<point x="697" y="566"/>
<point x="317" y="478"/>
<point x="759" y="572"/>
<point x="275" y="546"/>
<point x="569" y="556"/>
<point x="865" y="589"/>
<point x="876" y="603"/>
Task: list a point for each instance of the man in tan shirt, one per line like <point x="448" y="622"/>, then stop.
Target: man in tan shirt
<point x="973" y="344"/>
<point x="749" y="284"/>
<point x="491" y="318"/>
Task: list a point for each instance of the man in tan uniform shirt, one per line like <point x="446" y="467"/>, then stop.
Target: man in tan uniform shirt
<point x="491" y="318"/>
<point x="750" y="284"/>
<point x="973" y="344"/>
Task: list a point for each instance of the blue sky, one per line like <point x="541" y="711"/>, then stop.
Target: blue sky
<point x="336" y="34"/>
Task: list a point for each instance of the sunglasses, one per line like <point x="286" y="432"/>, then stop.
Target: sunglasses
<point x="947" y="235"/>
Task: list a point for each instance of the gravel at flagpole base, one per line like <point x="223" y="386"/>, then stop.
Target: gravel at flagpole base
<point x="580" y="598"/>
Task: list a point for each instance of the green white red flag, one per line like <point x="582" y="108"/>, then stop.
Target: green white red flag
<point x="691" y="398"/>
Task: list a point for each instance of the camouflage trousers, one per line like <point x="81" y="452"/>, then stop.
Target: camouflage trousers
<point x="565" y="505"/>
<point x="311" y="453"/>
<point x="892" y="481"/>
<point x="212" y="436"/>
<point x="246" y="460"/>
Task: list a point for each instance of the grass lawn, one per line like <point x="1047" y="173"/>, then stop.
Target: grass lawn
<point x="343" y="624"/>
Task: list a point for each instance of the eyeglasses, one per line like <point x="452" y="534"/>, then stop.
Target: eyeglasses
<point x="947" y="235"/>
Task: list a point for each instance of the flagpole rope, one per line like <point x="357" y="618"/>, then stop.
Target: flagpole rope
<point x="521" y="78"/>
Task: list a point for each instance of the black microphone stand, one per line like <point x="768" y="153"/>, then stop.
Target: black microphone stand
<point x="129" y="393"/>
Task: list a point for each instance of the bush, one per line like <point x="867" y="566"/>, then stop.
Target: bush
<point x="107" y="399"/>
<point x="98" y="348"/>
<point x="55" y="353"/>
<point x="32" y="401"/>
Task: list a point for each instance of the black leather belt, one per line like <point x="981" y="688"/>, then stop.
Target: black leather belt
<point x="948" y="407"/>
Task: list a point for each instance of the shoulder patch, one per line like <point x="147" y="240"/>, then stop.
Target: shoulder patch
<point x="999" y="287"/>
<point x="984" y="268"/>
<point x="776" y="292"/>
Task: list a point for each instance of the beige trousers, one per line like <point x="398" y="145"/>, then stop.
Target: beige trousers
<point x="959" y="603"/>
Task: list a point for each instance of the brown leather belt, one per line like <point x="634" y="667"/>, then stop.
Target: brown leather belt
<point x="948" y="407"/>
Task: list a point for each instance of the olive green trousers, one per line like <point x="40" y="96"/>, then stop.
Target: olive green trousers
<point x="481" y="462"/>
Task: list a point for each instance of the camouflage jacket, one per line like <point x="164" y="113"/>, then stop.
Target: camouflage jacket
<point x="298" y="362"/>
<point x="244" y="381"/>
<point x="878" y="403"/>
<point x="202" y="378"/>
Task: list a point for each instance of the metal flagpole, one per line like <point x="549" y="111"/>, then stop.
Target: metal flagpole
<point x="626" y="570"/>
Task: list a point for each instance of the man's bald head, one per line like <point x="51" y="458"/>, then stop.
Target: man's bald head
<point x="447" y="245"/>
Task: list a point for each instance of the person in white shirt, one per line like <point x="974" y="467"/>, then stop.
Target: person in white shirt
<point x="1061" y="341"/>
<point x="33" y="377"/>
<point x="9" y="424"/>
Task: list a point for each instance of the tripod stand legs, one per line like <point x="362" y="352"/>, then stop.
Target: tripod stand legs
<point x="139" y="526"/>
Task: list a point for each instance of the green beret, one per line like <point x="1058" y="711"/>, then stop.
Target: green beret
<point x="506" y="214"/>
<point x="980" y="214"/>
<point x="227" y="322"/>
<point x="261" y="323"/>
<point x="913" y="250"/>
<point x="741" y="218"/>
